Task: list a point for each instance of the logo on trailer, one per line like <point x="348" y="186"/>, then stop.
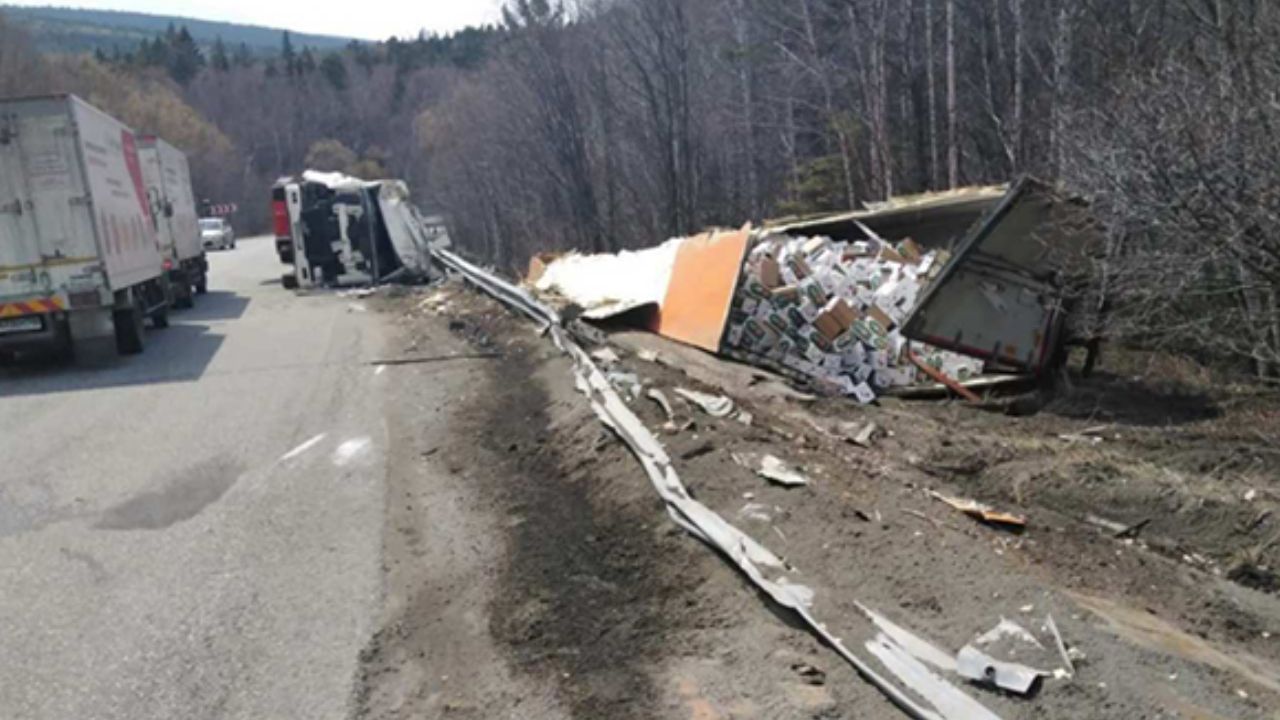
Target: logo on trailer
<point x="130" y="149"/>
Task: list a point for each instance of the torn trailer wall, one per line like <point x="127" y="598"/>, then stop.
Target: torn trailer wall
<point x="833" y="313"/>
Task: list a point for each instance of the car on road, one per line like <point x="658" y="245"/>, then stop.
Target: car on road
<point x="217" y="233"/>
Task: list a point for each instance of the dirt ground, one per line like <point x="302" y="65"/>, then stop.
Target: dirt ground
<point x="532" y="572"/>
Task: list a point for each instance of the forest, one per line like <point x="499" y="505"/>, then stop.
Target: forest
<point x="608" y="124"/>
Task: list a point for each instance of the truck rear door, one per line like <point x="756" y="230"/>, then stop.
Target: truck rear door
<point x="997" y="298"/>
<point x="45" y="226"/>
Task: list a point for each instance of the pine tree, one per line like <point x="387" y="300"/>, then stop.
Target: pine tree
<point x="287" y="55"/>
<point x="243" y="57"/>
<point x="185" y="59"/>
<point x="306" y="62"/>
<point x="334" y="70"/>
<point x="220" y="61"/>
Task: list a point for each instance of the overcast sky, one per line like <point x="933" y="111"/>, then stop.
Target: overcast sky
<point x="367" y="19"/>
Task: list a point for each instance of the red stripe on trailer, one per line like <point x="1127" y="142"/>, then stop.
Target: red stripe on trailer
<point x="135" y="171"/>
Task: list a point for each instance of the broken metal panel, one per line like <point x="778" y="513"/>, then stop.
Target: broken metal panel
<point x="995" y="299"/>
<point x="934" y="220"/>
<point x="975" y="665"/>
<point x="407" y="230"/>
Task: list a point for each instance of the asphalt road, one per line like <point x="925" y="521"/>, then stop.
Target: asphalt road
<point x="196" y="532"/>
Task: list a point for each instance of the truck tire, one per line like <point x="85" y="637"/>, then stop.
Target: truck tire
<point x="160" y="318"/>
<point x="129" y="330"/>
<point x="289" y="281"/>
<point x="183" y="295"/>
<point x="202" y="284"/>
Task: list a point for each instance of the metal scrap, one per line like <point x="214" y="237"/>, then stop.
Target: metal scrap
<point x="979" y="511"/>
<point x="973" y="664"/>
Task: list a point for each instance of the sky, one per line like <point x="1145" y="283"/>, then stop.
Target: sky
<point x="365" y="19"/>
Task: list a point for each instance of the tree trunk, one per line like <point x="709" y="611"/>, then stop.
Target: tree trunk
<point x="1018" y="51"/>
<point x="746" y="91"/>
<point x="1059" y="79"/>
<point x="953" y="149"/>
<point x="931" y="91"/>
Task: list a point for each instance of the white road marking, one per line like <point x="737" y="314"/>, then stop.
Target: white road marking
<point x="302" y="448"/>
<point x="350" y="450"/>
<point x="378" y="370"/>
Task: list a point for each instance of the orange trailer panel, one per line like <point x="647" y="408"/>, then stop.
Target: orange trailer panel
<point x="699" y="296"/>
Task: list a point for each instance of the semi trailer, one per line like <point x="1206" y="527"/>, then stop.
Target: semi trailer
<point x="80" y="260"/>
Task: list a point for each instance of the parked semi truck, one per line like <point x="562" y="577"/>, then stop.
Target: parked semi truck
<point x="79" y="256"/>
<point x="173" y="211"/>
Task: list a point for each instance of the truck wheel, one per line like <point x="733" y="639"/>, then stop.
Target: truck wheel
<point x="289" y="281"/>
<point x="128" y="326"/>
<point x="202" y="284"/>
<point x="160" y="318"/>
<point x="182" y="294"/>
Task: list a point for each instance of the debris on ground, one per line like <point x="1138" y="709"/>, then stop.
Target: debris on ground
<point x="774" y="469"/>
<point x="717" y="406"/>
<point x="755" y="511"/>
<point x="626" y="382"/>
<point x="809" y="674"/>
<point x="979" y="511"/>
<point x="1012" y="658"/>
<point x="976" y="666"/>
<point x="605" y="356"/>
<point x="660" y="398"/>
<point x="1118" y="530"/>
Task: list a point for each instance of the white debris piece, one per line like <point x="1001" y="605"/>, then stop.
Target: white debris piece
<point x="605" y="356"/>
<point x="627" y="382"/>
<point x="714" y="405"/>
<point x="774" y="469"/>
<point x="972" y="664"/>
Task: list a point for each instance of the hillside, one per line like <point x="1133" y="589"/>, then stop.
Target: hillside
<point x="73" y="30"/>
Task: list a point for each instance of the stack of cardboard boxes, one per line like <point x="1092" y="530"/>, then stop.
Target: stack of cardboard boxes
<point x="831" y="311"/>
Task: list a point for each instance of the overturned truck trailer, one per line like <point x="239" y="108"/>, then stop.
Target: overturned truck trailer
<point x="912" y="292"/>
<point x="334" y="229"/>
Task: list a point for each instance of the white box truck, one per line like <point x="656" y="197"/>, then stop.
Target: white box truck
<point x="173" y="210"/>
<point x="79" y="258"/>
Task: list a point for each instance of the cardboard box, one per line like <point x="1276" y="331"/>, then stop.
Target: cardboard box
<point x="785" y="295"/>
<point x="835" y="319"/>
<point x="755" y="289"/>
<point x="799" y="267"/>
<point x="881" y="318"/>
<point x="910" y="250"/>
<point x="770" y="275"/>
<point x="812" y="290"/>
<point x="864" y="394"/>
<point x="777" y="322"/>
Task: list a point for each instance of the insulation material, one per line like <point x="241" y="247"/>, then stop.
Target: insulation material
<point x="625" y="280"/>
